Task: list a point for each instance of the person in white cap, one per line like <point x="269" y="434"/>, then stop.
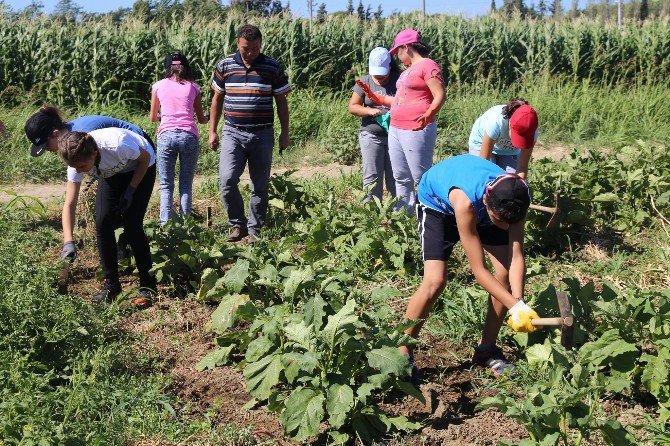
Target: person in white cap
<point x="373" y="136"/>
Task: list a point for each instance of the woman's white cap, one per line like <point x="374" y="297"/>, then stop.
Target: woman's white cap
<point x="380" y="62"/>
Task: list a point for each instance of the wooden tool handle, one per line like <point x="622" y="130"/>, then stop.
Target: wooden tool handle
<point x="537" y="207"/>
<point x="547" y="321"/>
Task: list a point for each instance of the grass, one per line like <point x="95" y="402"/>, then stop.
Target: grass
<point x="322" y="130"/>
<point x="68" y="373"/>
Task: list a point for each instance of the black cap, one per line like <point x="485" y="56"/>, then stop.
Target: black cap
<point x="176" y="58"/>
<point x="38" y="128"/>
<point x="509" y="192"/>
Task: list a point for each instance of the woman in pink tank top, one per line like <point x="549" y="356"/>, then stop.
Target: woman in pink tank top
<point x="179" y="99"/>
<point x="419" y="96"/>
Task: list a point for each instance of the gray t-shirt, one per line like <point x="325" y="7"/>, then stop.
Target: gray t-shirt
<point x="368" y="123"/>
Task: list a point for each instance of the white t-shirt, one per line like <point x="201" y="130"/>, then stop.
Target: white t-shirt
<point x="496" y="126"/>
<point x="119" y="150"/>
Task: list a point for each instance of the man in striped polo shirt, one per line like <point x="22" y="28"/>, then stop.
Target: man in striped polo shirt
<point x="245" y="85"/>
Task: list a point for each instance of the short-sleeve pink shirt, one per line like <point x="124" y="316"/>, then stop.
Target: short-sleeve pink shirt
<point x="413" y="97"/>
<point x="176" y="101"/>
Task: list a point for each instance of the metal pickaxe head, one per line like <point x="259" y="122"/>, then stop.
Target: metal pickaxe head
<point x="555" y="211"/>
<point x="566" y="321"/>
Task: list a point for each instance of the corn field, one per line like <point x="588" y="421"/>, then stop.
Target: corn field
<point x="99" y="63"/>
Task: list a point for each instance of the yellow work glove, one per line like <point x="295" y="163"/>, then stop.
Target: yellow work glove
<point x="519" y="318"/>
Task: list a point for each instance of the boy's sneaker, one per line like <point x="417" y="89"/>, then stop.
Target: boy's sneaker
<point x="110" y="289"/>
<point x="416" y="378"/>
<point x="145" y="299"/>
<point x="492" y="357"/>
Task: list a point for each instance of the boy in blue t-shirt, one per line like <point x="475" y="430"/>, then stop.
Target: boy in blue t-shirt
<point x="470" y="199"/>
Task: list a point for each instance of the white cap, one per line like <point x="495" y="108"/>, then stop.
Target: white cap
<point x="380" y="62"/>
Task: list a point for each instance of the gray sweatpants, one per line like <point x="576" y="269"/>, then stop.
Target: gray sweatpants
<point x="376" y="164"/>
<point x="238" y="147"/>
<point x="411" y="153"/>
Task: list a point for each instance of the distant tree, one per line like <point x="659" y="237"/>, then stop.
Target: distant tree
<point x="368" y="13"/>
<point x="511" y="7"/>
<point x="287" y="8"/>
<point x="493" y="6"/>
<point x="276" y="7"/>
<point x="33" y="10"/>
<point x="350" y="7"/>
<point x="644" y="10"/>
<point x="360" y="10"/>
<point x="556" y="8"/>
<point x="141" y="10"/>
<point x="321" y="13"/>
<point x="379" y="13"/>
<point x="67" y="9"/>
<point x="542" y="8"/>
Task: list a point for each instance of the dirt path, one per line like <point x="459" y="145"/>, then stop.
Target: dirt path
<point x="56" y="191"/>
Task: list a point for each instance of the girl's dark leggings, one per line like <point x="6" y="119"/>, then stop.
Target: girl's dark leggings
<point x="107" y="219"/>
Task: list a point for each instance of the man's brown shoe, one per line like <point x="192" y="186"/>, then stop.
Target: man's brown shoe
<point x="237" y="233"/>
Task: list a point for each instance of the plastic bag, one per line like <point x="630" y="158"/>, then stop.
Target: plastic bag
<point x="384" y="120"/>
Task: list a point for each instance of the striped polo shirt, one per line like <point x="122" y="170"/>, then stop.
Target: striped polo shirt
<point x="249" y="92"/>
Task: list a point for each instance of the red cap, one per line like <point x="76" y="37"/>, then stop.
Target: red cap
<point x="522" y="127"/>
<point x="405" y="37"/>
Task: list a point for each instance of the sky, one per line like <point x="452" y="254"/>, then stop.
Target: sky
<point x="465" y="7"/>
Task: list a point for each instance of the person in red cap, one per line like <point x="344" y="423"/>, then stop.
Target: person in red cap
<point x="506" y="134"/>
<point x="419" y="96"/>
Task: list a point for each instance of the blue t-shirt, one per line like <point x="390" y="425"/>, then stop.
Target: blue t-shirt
<point x="465" y="172"/>
<point x="96" y="122"/>
<point x="496" y="126"/>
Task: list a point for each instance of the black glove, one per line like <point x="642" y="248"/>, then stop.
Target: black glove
<point x="126" y="199"/>
<point x="69" y="251"/>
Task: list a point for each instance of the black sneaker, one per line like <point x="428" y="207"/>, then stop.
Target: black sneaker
<point x="416" y="378"/>
<point x="110" y="289"/>
<point x="493" y="358"/>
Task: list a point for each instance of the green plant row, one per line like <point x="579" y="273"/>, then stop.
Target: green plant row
<point x="98" y="62"/>
<point x="302" y="316"/>
<point x="624" y="339"/>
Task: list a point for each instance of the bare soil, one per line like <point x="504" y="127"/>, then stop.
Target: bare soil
<point x="56" y="191"/>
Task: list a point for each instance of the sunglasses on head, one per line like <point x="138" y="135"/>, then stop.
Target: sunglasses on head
<point x="500" y="178"/>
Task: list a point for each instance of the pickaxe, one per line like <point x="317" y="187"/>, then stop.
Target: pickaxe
<point x="566" y="321"/>
<point x="553" y="211"/>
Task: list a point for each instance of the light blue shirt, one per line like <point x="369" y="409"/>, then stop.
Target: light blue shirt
<point x="496" y="126"/>
<point x="468" y="173"/>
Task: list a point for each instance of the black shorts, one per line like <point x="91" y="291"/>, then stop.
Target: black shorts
<point x="438" y="233"/>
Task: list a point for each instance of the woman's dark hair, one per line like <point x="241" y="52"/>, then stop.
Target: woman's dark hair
<point x="421" y="48"/>
<point x="249" y="32"/>
<point x="177" y="66"/>
<point x="514" y="103"/>
<point x="54" y="115"/>
<point x="394" y="67"/>
<point x="75" y="147"/>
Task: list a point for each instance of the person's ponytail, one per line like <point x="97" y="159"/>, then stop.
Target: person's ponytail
<point x="512" y="106"/>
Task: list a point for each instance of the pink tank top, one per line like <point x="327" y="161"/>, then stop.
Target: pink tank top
<point x="413" y="97"/>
